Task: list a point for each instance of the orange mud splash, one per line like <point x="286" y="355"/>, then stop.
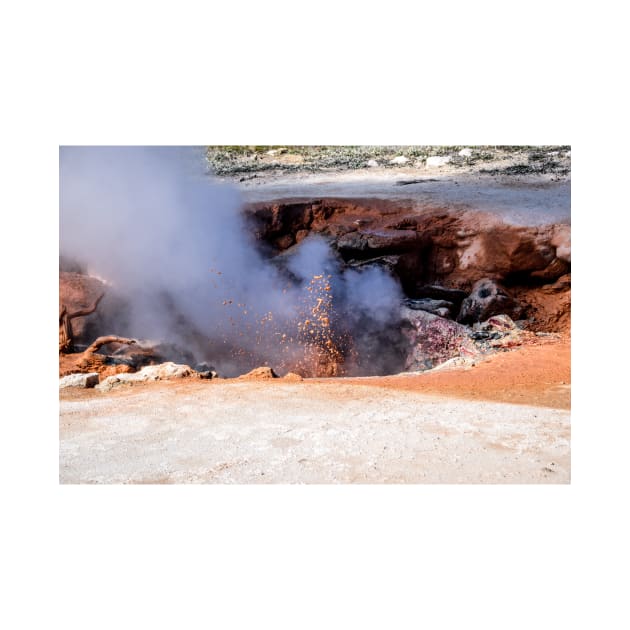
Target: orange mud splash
<point x="308" y="343"/>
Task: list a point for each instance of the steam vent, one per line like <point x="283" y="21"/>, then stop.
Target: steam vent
<point x="303" y="266"/>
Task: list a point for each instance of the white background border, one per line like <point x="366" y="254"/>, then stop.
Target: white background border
<point x="318" y="556"/>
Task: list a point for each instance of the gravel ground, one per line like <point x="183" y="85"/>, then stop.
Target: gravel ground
<point x="249" y="162"/>
<point x="306" y="432"/>
<point x="522" y="185"/>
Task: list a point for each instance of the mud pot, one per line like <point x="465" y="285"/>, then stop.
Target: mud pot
<point x="421" y="337"/>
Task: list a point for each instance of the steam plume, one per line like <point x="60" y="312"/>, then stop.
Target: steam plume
<point x="174" y="245"/>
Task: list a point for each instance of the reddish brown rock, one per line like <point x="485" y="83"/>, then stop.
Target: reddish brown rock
<point x="300" y="235"/>
<point x="292" y="377"/>
<point x="260" y="373"/>
<point x="77" y="292"/>
<point x="563" y="283"/>
<point x="284" y="242"/>
<point x="501" y="251"/>
<point x="554" y="270"/>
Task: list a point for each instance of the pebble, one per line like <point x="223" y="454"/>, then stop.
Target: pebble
<point x="401" y="159"/>
<point x="438" y="160"/>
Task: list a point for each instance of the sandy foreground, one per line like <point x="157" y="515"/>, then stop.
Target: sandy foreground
<point x="372" y="430"/>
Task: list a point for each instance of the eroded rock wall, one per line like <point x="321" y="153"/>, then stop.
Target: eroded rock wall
<point x="457" y="268"/>
<point x="448" y="248"/>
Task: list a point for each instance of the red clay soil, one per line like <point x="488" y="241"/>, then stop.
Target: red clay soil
<point x="537" y="375"/>
<point x="81" y="362"/>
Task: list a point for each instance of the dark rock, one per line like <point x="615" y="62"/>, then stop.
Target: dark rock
<point x="479" y="335"/>
<point x="408" y="269"/>
<point x="392" y="240"/>
<point x="144" y="353"/>
<point x="292" y="217"/>
<point x="337" y="230"/>
<point x="285" y="241"/>
<point x="554" y="270"/>
<point x="277" y="220"/>
<point x="487" y="298"/>
<point x="388" y="262"/>
<point x="373" y="241"/>
<point x="437" y="307"/>
<point x="437" y="292"/>
<point x="352" y="243"/>
<point x="205" y="371"/>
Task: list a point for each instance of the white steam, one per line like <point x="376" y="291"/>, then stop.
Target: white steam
<point x="174" y="246"/>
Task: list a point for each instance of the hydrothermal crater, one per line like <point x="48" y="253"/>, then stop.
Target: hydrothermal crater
<point x="377" y="289"/>
<point x="457" y="270"/>
<point x="320" y="287"/>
